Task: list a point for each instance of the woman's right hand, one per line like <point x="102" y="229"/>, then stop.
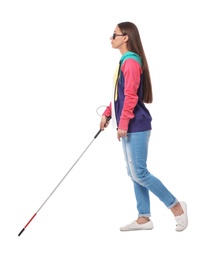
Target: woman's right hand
<point x="104" y="122"/>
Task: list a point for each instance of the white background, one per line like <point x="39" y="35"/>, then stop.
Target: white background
<point x="56" y="69"/>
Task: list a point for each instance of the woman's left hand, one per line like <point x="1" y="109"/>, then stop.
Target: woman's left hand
<point x="121" y="134"/>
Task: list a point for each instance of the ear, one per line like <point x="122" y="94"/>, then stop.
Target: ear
<point x="126" y="38"/>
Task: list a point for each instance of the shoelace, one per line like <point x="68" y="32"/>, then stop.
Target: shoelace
<point x="180" y="221"/>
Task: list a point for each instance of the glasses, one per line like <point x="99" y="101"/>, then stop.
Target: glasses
<point x="114" y="35"/>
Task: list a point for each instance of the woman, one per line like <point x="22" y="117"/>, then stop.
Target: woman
<point x="133" y="123"/>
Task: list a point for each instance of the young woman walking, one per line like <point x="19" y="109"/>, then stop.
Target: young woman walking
<point x="132" y="120"/>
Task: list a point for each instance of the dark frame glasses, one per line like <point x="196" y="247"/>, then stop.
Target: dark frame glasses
<point x="115" y="34"/>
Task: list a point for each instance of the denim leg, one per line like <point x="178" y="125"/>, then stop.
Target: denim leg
<point x="141" y="193"/>
<point x="135" y="146"/>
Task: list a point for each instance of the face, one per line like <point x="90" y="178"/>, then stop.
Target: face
<point x="119" y="40"/>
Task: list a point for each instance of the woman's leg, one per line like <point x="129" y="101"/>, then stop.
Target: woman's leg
<point x="141" y="193"/>
<point x="137" y="150"/>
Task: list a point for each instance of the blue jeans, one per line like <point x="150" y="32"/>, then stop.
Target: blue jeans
<point x="135" y="148"/>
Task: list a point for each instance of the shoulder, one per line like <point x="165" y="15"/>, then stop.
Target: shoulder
<point x="131" y="64"/>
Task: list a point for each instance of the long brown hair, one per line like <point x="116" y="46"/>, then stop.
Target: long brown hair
<point x="134" y="44"/>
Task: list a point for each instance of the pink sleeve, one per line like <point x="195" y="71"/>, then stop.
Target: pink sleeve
<point x="131" y="70"/>
<point x="107" y="111"/>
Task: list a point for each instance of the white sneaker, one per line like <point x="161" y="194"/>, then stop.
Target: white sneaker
<point x="182" y="220"/>
<point x="135" y="226"/>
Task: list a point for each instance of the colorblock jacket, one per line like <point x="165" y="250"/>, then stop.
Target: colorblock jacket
<point x="130" y="112"/>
